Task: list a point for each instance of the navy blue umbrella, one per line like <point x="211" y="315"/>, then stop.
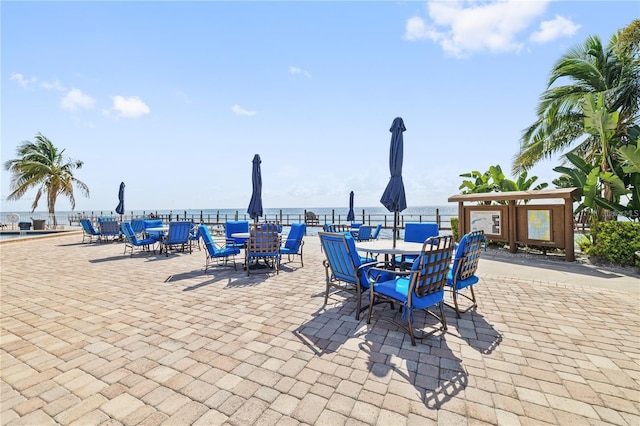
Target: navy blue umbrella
<point x="120" y="208"/>
<point x="393" y="197"/>
<point x="351" y="216"/>
<point x="255" y="205"/>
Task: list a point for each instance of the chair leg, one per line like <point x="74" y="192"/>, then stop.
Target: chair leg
<point x="410" y="327"/>
<point x="473" y="297"/>
<point x="444" y="319"/>
<point x="455" y="302"/>
<point x="474" y="304"/>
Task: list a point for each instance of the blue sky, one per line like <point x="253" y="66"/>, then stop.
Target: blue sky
<point x="175" y="98"/>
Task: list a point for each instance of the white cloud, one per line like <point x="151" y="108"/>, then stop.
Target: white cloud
<point x="296" y="70"/>
<point x="132" y="107"/>
<point x="465" y="27"/>
<point x="182" y="96"/>
<point x="238" y="110"/>
<point x="75" y="99"/>
<point x="55" y="85"/>
<point x="21" y="80"/>
<point x="556" y="28"/>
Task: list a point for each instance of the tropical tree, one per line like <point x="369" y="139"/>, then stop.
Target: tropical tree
<point x="494" y="180"/>
<point x="40" y="164"/>
<point x="590" y="68"/>
<point x="480" y="183"/>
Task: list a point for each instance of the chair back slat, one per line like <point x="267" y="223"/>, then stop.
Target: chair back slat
<point x="376" y="232"/>
<point x="263" y="242"/>
<point x="129" y="235"/>
<point x="236" y="226"/>
<point x="467" y="255"/>
<point x="432" y="265"/>
<point x="87" y="226"/>
<point x="109" y="228"/>
<point x="364" y="233"/>
<point x="204" y="233"/>
<point x="418" y="232"/>
<point x="137" y="225"/>
<point x="294" y="239"/>
<point x="179" y="232"/>
<point x="341" y="261"/>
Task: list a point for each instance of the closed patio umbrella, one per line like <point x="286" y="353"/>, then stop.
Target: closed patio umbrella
<point x="393" y="197"/>
<point x="351" y="216"/>
<point x="255" y="205"/>
<point x="120" y="208"/>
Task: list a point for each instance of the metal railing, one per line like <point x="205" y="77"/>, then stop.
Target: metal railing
<point x="218" y="218"/>
<point x="285" y="219"/>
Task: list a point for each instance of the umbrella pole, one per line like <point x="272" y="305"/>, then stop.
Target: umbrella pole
<point x="395" y="228"/>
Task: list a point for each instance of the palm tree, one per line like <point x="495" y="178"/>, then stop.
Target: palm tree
<point x="588" y="69"/>
<point x="41" y="164"/>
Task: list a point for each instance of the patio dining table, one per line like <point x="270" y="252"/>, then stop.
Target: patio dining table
<point x="161" y="230"/>
<point x="402" y="248"/>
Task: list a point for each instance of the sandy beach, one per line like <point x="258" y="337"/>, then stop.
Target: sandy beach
<point x="91" y="336"/>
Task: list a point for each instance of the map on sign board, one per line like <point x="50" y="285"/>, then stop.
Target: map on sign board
<point x="487" y="221"/>
<point x="539" y="225"/>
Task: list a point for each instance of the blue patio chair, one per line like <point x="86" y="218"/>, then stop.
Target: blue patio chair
<point x="271" y="226"/>
<point x="131" y="240"/>
<point x="138" y="226"/>
<point x="376" y="232"/>
<point x="416" y="232"/>
<point x="234" y="227"/>
<point x="195" y="234"/>
<point x="421" y="288"/>
<point x="337" y="227"/>
<point x="293" y="244"/>
<point x="88" y="231"/>
<point x="344" y="269"/>
<point x="463" y="269"/>
<point x="109" y="229"/>
<point x="262" y="244"/>
<point x="213" y="251"/>
<point x="179" y="235"/>
<point x="364" y="233"/>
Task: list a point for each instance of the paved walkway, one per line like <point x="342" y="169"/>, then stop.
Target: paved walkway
<point x="89" y="336"/>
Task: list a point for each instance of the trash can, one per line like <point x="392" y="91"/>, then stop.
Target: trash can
<point x="24" y="226"/>
<point x="38" y="224"/>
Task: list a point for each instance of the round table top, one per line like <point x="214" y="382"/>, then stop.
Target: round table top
<point x="386" y="247"/>
<point x="158" y="229"/>
<point x="240" y="235"/>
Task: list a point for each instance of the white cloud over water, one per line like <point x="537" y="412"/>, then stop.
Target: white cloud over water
<point x="465" y="27"/>
<point x="132" y="107"/>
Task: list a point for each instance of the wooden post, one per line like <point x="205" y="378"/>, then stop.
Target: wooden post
<point x="569" y="250"/>
<point x="511" y="220"/>
<point x="462" y="225"/>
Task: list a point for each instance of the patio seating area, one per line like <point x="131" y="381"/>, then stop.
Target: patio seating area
<point x="89" y="336"/>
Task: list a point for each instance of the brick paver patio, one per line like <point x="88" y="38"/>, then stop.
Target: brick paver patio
<point x="90" y="336"/>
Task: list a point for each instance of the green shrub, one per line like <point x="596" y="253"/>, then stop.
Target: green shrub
<point x="583" y="241"/>
<point x="616" y="242"/>
<point x="454" y="229"/>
